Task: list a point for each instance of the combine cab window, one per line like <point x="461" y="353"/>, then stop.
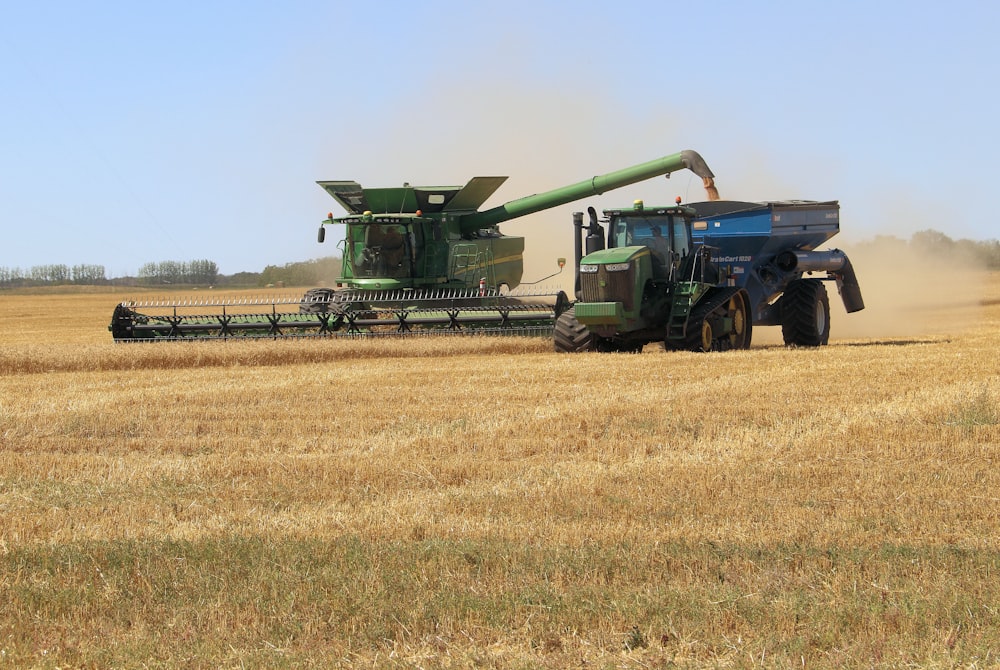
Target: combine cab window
<point x="380" y="250"/>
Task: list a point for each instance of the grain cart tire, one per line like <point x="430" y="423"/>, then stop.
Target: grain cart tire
<point x="805" y="314"/>
<point x="571" y="336"/>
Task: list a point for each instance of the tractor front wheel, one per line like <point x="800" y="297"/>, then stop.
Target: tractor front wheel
<point x="570" y="336"/>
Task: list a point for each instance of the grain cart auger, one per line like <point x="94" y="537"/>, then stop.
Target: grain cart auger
<point x="416" y="259"/>
<point x="699" y="277"/>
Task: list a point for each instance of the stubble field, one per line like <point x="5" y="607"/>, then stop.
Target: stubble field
<point x="488" y="503"/>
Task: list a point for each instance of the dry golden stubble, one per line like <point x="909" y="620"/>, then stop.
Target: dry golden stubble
<point x="851" y="487"/>
<point x="400" y="439"/>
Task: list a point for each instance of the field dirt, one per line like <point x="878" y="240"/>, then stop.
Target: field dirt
<point x="485" y="502"/>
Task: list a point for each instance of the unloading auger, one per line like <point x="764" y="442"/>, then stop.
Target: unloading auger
<point x="418" y="259"/>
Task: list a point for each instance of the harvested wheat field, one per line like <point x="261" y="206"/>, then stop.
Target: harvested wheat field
<point x="484" y="502"/>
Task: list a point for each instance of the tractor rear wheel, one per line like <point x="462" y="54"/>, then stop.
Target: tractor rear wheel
<point x="707" y="338"/>
<point x="700" y="333"/>
<point x="805" y="314"/>
<point x="571" y="336"/>
<point x="739" y="312"/>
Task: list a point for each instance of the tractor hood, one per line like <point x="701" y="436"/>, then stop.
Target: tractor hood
<point x="617" y="255"/>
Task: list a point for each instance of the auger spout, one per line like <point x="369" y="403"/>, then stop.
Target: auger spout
<point x="834" y="262"/>
<point x="595" y="186"/>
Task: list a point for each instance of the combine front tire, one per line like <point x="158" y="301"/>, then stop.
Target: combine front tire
<point x="805" y="314"/>
<point x="571" y="336"/>
<point x="316" y="301"/>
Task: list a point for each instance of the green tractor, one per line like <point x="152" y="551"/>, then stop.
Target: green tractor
<point x="650" y="283"/>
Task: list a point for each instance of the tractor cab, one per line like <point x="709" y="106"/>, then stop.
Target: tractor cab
<point x="665" y="231"/>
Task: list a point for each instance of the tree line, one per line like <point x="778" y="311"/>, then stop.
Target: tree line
<point x="40" y="275"/>
<point x="933" y="243"/>
<point x="323" y="271"/>
<point x="316" y="272"/>
<point x="179" y="272"/>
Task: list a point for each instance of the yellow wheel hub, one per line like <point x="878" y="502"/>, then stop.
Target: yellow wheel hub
<point x="706" y="336"/>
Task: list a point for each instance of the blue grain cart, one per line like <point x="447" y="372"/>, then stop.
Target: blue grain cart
<point x="769" y="249"/>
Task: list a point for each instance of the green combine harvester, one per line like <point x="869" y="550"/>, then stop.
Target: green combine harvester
<point x="416" y="259"/>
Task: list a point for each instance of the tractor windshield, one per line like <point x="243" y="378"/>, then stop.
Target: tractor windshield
<point x="666" y="236"/>
<point x="380" y="250"/>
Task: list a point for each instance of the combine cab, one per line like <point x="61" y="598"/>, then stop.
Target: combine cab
<point x="416" y="259"/>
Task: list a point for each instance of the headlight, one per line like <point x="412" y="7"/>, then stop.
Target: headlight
<point x="588" y="268"/>
<point x="617" y="267"/>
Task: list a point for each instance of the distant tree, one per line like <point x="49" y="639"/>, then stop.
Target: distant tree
<point x="304" y="273"/>
<point x="12" y="277"/>
<point x="88" y="274"/>
<point x="990" y="251"/>
<point x="932" y="242"/>
<point x="202" y="272"/>
<point x="179" y="272"/>
<point x="935" y="244"/>
<point x="49" y="274"/>
<point x="240" y="279"/>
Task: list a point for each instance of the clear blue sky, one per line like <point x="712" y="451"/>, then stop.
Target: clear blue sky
<point x="135" y="132"/>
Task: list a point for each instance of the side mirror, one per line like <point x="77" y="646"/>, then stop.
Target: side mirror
<point x="322" y="235"/>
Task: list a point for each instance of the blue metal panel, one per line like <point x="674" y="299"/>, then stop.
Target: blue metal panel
<point x="748" y="223"/>
<point x="748" y="236"/>
<point x="772" y="226"/>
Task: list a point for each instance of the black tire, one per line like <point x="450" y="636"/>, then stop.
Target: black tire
<point x="739" y="312"/>
<point x="692" y="335"/>
<point x="570" y="336"/>
<point x="316" y="301"/>
<point x="805" y="314"/>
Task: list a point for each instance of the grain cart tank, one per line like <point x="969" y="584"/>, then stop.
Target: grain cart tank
<point x="769" y="248"/>
<point x="415" y="258"/>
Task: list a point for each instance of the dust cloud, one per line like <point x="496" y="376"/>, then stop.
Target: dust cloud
<point x="909" y="292"/>
<point x="541" y="139"/>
